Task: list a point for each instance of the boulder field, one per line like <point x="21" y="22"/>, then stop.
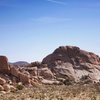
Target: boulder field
<point x="67" y="64"/>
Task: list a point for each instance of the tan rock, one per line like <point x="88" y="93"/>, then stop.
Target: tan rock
<point x="2" y="81"/>
<point x="6" y="87"/>
<point x="2" y="92"/>
<point x="72" y="63"/>
<point x="34" y="71"/>
<point x="14" y="71"/>
<point x="1" y="88"/>
<point x="4" y="66"/>
<point x="24" y="78"/>
<point x="46" y="73"/>
<point x="12" y="88"/>
<point x="33" y="83"/>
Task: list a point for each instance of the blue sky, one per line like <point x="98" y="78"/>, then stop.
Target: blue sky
<point x="32" y="29"/>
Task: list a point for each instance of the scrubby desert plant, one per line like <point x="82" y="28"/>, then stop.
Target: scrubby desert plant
<point x="19" y="86"/>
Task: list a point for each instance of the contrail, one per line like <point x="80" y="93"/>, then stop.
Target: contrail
<point x="58" y="2"/>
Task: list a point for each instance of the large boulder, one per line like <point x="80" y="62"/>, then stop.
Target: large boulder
<point x="32" y="70"/>
<point x="14" y="71"/>
<point x="25" y="79"/>
<point x="6" y="87"/>
<point x="70" y="62"/>
<point x="4" y="66"/>
<point x="71" y="54"/>
<point x="1" y="88"/>
<point x="2" y="81"/>
<point x="46" y="73"/>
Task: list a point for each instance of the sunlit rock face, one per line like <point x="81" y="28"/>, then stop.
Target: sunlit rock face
<point x="74" y="64"/>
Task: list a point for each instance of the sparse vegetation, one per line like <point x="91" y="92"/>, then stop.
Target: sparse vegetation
<point x="19" y="86"/>
<point x="55" y="92"/>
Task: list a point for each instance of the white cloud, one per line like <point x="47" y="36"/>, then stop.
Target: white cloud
<point x="50" y="20"/>
<point x="57" y="2"/>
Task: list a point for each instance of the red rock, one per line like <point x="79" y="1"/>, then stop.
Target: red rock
<point x="4" y="66"/>
<point x="73" y="63"/>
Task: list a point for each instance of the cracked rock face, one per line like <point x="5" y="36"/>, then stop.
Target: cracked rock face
<point x="73" y="63"/>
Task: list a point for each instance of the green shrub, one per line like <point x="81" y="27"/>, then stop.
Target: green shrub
<point x="19" y="86"/>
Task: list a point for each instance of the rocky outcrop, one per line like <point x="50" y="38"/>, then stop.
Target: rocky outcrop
<point x="72" y="63"/>
<point x="4" y="66"/>
<point x="65" y="65"/>
<point x="14" y="71"/>
<point x="46" y="73"/>
<point x="11" y="74"/>
<point x="25" y="79"/>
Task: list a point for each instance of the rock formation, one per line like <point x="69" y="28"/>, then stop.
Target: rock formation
<point x="66" y="64"/>
<point x="4" y="66"/>
<point x="72" y="63"/>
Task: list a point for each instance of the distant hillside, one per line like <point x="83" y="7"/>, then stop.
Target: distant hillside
<point x="21" y="63"/>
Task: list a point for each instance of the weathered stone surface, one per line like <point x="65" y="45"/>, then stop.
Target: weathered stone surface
<point x="49" y="82"/>
<point x="34" y="71"/>
<point x="69" y="63"/>
<point x="1" y="88"/>
<point x="73" y="63"/>
<point x="4" y="66"/>
<point x="2" y="81"/>
<point x="73" y="55"/>
<point x="24" y="78"/>
<point x="12" y="89"/>
<point x="6" y="87"/>
<point x="14" y="71"/>
<point x="65" y="70"/>
<point x="46" y="73"/>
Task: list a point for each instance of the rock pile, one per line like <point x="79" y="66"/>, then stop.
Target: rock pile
<point x="66" y="64"/>
<point x="70" y="62"/>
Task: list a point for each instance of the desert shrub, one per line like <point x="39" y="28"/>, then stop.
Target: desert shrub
<point x="68" y="82"/>
<point x="19" y="86"/>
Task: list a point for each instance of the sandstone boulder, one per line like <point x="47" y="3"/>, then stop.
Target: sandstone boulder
<point x="12" y="88"/>
<point x="4" y="66"/>
<point x="14" y="71"/>
<point x="70" y="62"/>
<point x="2" y="81"/>
<point x="46" y="73"/>
<point x="6" y="87"/>
<point x="1" y="88"/>
<point x="33" y="70"/>
<point x="25" y="79"/>
<point x="71" y="54"/>
<point x="49" y="82"/>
